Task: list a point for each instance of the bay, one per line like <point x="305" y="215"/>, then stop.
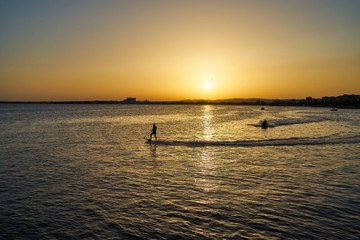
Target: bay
<point x="86" y="171"/>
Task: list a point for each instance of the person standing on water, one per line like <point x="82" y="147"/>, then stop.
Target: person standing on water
<point x="153" y="132"/>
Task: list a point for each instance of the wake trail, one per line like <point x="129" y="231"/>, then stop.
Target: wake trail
<point x="260" y="143"/>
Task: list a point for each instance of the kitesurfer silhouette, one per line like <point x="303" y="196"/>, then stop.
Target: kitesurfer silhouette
<point x="153" y="132"/>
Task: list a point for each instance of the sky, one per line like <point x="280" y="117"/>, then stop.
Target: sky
<point x="176" y="50"/>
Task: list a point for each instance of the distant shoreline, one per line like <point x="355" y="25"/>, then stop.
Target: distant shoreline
<point x="343" y="105"/>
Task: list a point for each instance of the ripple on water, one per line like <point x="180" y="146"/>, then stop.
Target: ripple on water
<point x="75" y="172"/>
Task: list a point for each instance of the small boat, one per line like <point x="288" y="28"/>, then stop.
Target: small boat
<point x="262" y="108"/>
<point x="334" y="109"/>
<point x="264" y="124"/>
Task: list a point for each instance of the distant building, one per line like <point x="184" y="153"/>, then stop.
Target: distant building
<point x="329" y="99"/>
<point x="308" y="99"/>
<point x="130" y="101"/>
<point x="348" y="98"/>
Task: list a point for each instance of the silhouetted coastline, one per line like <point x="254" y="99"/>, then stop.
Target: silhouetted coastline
<point x="343" y="101"/>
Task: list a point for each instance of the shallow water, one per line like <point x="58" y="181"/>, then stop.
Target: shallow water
<point x="86" y="171"/>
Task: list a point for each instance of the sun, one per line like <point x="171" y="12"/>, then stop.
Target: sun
<point x="207" y="85"/>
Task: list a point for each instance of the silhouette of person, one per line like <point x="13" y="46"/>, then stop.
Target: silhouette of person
<point x="153" y="132"/>
<point x="264" y="124"/>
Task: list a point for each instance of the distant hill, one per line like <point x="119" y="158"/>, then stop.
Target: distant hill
<point x="232" y="100"/>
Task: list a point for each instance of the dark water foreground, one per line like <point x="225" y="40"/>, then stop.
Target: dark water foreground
<point x="85" y="172"/>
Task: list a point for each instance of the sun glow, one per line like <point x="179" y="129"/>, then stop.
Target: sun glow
<point x="207" y="85"/>
<point x="178" y="50"/>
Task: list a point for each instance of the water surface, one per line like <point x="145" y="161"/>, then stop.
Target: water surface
<point x="86" y="171"/>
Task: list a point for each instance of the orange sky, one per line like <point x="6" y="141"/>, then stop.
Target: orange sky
<point x="169" y="50"/>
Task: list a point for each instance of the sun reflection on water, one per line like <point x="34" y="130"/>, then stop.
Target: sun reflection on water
<point x="208" y="122"/>
<point x="206" y="167"/>
<point x="205" y="181"/>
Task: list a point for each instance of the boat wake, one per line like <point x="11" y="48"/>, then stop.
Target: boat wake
<point x="258" y="143"/>
<point x="286" y="122"/>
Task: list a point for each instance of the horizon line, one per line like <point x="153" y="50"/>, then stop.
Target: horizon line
<point x="195" y="99"/>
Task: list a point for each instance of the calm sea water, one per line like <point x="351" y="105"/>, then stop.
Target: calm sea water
<point x="86" y="172"/>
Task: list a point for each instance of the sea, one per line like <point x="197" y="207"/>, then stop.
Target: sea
<point x="86" y="171"/>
